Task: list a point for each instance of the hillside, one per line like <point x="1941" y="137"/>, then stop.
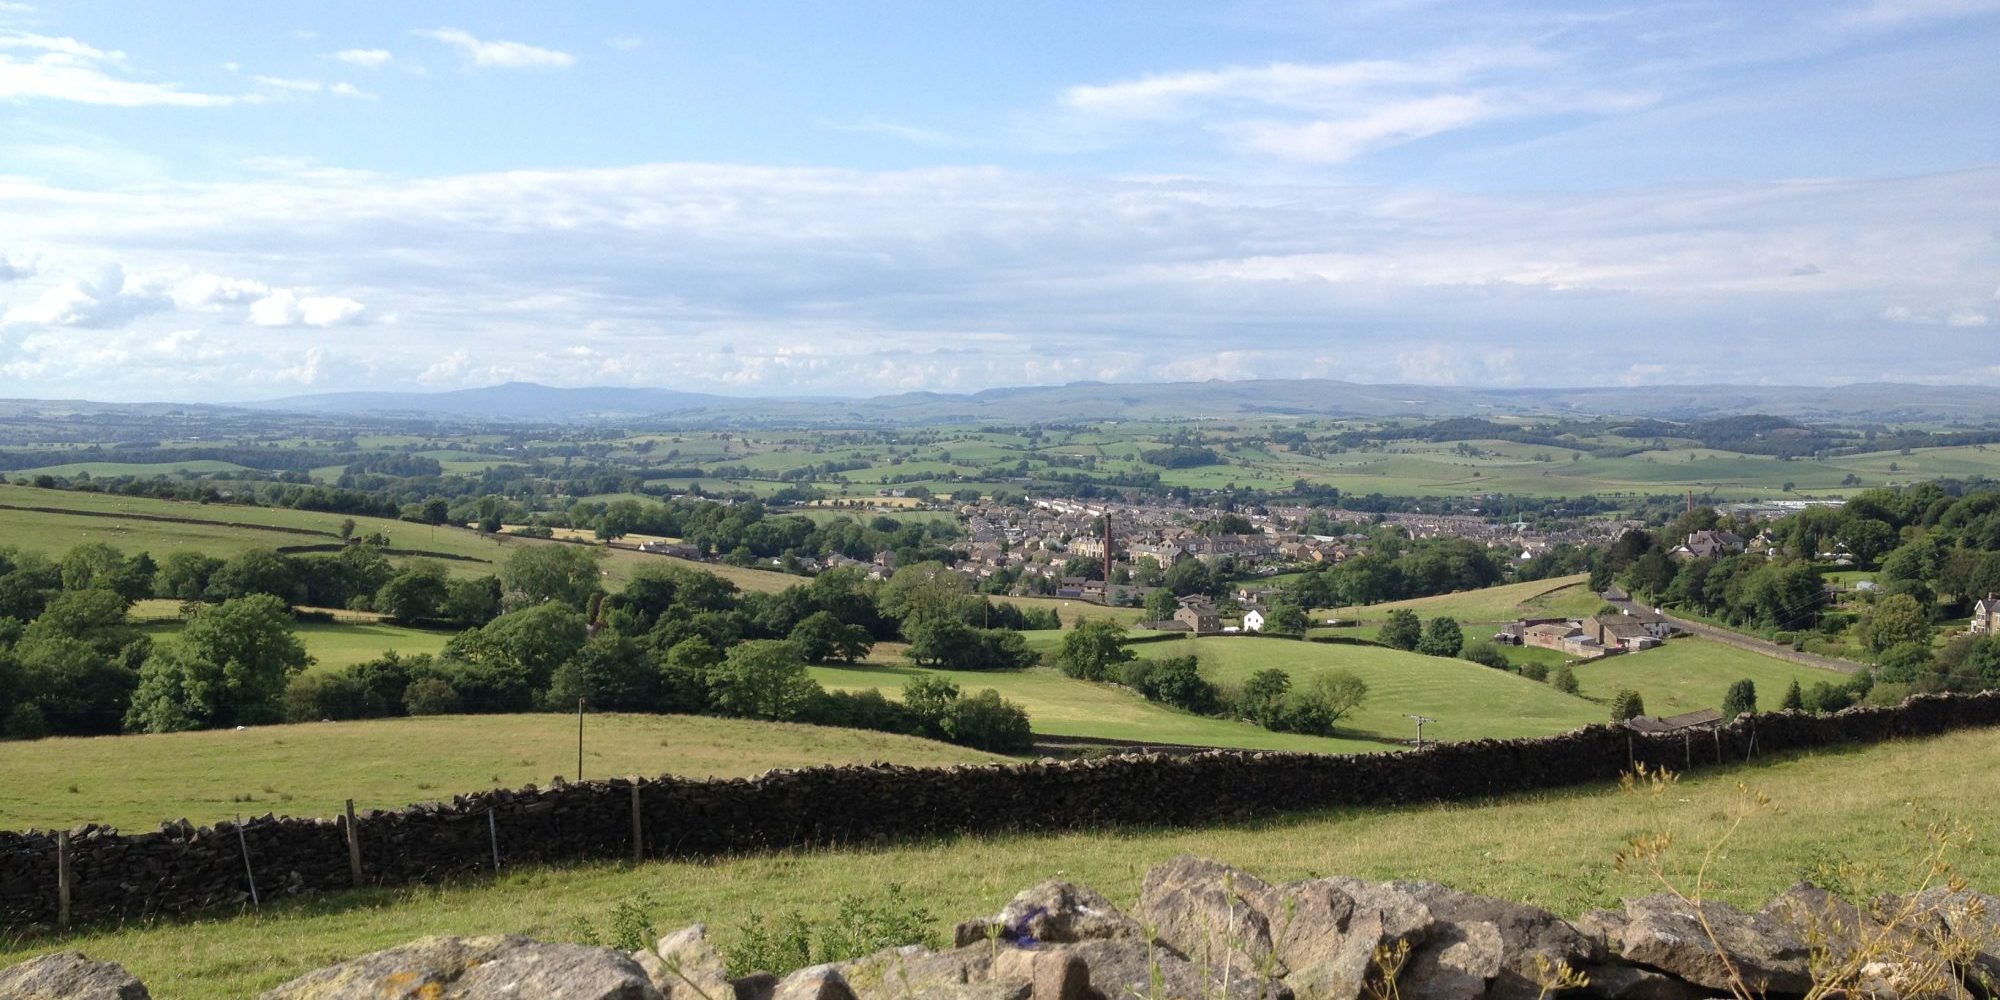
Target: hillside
<point x="308" y="770"/>
<point x="1555" y="850"/>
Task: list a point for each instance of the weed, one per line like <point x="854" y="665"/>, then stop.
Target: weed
<point x="859" y="927"/>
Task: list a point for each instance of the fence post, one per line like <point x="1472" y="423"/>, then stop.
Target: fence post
<point x="62" y="880"/>
<point x="638" y="833"/>
<point x="248" y="873"/>
<point x="493" y="838"/>
<point x="353" y="845"/>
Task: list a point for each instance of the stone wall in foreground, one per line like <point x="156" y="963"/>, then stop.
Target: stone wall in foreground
<point x="180" y="869"/>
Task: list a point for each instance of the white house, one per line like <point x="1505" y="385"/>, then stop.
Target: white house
<point x="1253" y="621"/>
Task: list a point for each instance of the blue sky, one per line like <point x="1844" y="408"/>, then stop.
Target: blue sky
<point x="230" y="201"/>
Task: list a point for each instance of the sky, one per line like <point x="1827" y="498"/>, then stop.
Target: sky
<point x="230" y="201"/>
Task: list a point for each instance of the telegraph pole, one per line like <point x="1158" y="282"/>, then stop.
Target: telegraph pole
<point x="1419" y="720"/>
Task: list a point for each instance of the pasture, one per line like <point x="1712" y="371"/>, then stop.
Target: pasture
<point x="135" y="782"/>
<point x="1555" y="849"/>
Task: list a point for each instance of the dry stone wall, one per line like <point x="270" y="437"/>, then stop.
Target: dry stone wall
<point x="182" y="868"/>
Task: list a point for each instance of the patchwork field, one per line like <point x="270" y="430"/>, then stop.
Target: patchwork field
<point x="1688" y="673"/>
<point x="1556" y="849"/>
<point x="308" y="770"/>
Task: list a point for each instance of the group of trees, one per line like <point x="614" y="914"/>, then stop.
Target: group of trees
<point x="1096" y="651"/>
<point x="1397" y="569"/>
<point x="1441" y="636"/>
<point x="746" y="531"/>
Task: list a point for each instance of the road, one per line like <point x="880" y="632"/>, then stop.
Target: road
<point x="1751" y="643"/>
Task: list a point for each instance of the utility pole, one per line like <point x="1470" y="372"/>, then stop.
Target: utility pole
<point x="1419" y="720"/>
<point x="579" y="739"/>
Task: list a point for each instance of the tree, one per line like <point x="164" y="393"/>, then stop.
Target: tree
<point x="1093" y="649"/>
<point x="230" y="666"/>
<point x="1896" y="619"/>
<point x="1324" y="701"/>
<point x="611" y="673"/>
<point x="431" y="696"/>
<point x="256" y="571"/>
<point x="821" y="637"/>
<point x="928" y="699"/>
<point x="1286" y="618"/>
<point x="1795" y="699"/>
<point x="922" y="592"/>
<point x="184" y="575"/>
<point x="1442" y="637"/>
<point x="1627" y="704"/>
<point x="1190" y="576"/>
<point x="1263" y="697"/>
<point x="762" y="679"/>
<point x="1161" y="605"/>
<point x="1564" y="679"/>
<point x="536" y="574"/>
<point x="527" y="645"/>
<point x="1742" y="698"/>
<point x="470" y="603"/>
<point x="1403" y="630"/>
<point x="416" y="594"/>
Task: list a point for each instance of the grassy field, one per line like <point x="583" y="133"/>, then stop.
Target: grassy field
<point x="1560" y="595"/>
<point x="1688" y="674"/>
<point x="1554" y="849"/>
<point x="1062" y="706"/>
<point x="307" y="770"/>
<point x="1468" y="701"/>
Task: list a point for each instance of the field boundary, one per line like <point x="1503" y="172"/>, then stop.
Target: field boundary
<point x="167" y="519"/>
<point x="97" y="874"/>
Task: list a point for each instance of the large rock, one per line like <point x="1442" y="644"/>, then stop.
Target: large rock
<point x="818" y="982"/>
<point x="1322" y="937"/>
<point x="485" y="968"/>
<point x="1957" y="921"/>
<point x="1663" y="932"/>
<point x="1629" y="982"/>
<point x="1053" y="912"/>
<point x="686" y="966"/>
<point x="914" y="970"/>
<point x="1123" y="968"/>
<point x="69" y="975"/>
<point x="1334" y="935"/>
<point x="1533" y="942"/>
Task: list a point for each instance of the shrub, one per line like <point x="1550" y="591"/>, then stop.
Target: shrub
<point x="1535" y="670"/>
<point x="1442" y="637"/>
<point x="858" y="928"/>
<point x="1795" y="699"/>
<point x="1488" y="655"/>
<point x="430" y="696"/>
<point x="1627" y="704"/>
<point x="25" y="722"/>
<point x="1323" y="702"/>
<point x="1742" y="698"/>
<point x="988" y="722"/>
<point x="1564" y="679"/>
<point x="1403" y="630"/>
<point x="1175" y="680"/>
<point x="312" y="697"/>
<point x="1262" y="698"/>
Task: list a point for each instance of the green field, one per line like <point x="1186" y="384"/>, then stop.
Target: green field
<point x="1563" y="595"/>
<point x="1554" y="849"/>
<point x="1062" y="706"/>
<point x="309" y="769"/>
<point x="147" y="470"/>
<point x="1468" y="701"/>
<point x="1687" y="674"/>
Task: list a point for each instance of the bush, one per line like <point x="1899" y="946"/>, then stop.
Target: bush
<point x="1742" y="698"/>
<point x="25" y="722"/>
<point x="1535" y="670"/>
<point x="314" y="697"/>
<point x="1488" y="655"/>
<point x="1564" y="679"/>
<point x="1627" y="704"/>
<point x="1328" y="698"/>
<point x="858" y="928"/>
<point x="1175" y="680"/>
<point x="1442" y="637"/>
<point x="431" y="696"/>
<point x="987" y="722"/>
<point x="863" y="709"/>
<point x="1403" y="630"/>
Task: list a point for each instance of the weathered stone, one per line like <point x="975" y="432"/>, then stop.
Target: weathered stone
<point x="1961" y="920"/>
<point x="917" y="971"/>
<point x="1629" y="982"/>
<point x="1054" y="912"/>
<point x="1527" y="933"/>
<point x="1333" y="935"/>
<point x="1211" y="913"/>
<point x="755" y="986"/>
<point x="482" y="967"/>
<point x="1705" y="948"/>
<point x="686" y="965"/>
<point x="69" y="975"/>
<point x="1127" y="967"/>
<point x="1457" y="964"/>
<point x="818" y="982"/>
<point x="1061" y="976"/>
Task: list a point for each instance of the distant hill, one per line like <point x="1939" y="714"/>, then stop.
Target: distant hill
<point x="1084" y="401"/>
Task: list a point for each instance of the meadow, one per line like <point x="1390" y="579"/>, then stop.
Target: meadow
<point x="135" y="782"/>
<point x="1687" y="674"/>
<point x="1831" y="809"/>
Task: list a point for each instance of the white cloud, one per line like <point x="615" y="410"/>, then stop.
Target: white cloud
<point x="285" y="307"/>
<point x="212" y="291"/>
<point x="297" y="86"/>
<point x="64" y="69"/>
<point x="625" y="43"/>
<point x="15" y="268"/>
<point x="449" y="369"/>
<point x="307" y="371"/>
<point x="499" y="54"/>
<point x="111" y="299"/>
<point x="369" y="58"/>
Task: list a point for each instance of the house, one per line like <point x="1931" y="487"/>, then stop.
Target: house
<point x="1550" y="635"/>
<point x="1199" y="616"/>
<point x="1253" y="621"/>
<point x="1637" y="630"/>
<point x="1986" y="616"/>
<point x="1708" y="545"/>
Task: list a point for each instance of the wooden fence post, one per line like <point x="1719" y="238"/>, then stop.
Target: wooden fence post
<point x="638" y="832"/>
<point x="248" y="873"/>
<point x="62" y="880"/>
<point x="353" y="845"/>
